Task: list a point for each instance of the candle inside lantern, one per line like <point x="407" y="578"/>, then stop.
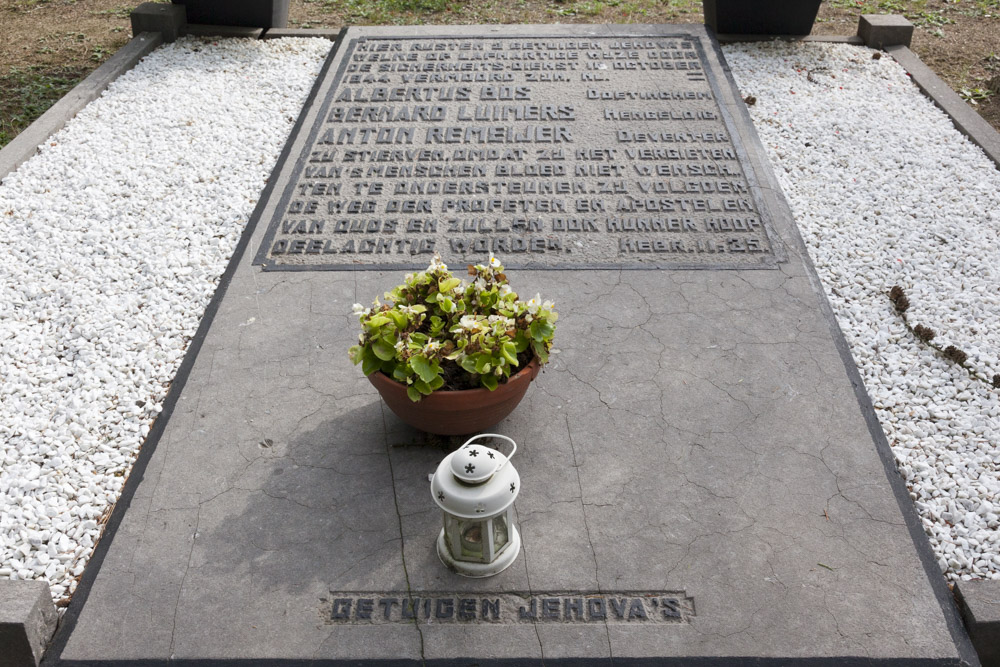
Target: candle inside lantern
<point x="472" y="540"/>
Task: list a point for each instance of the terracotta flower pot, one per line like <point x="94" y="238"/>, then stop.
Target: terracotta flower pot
<point x="456" y="412"/>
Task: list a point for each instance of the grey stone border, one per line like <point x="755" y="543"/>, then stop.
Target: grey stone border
<point x="24" y="145"/>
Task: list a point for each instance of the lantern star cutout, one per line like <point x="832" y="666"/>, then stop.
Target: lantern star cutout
<point x="512" y="487"/>
<point x="470" y="468"/>
<point x="490" y="454"/>
<point x="473" y="452"/>
<point x="441" y="496"/>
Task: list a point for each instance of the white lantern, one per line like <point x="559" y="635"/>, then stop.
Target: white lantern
<point x="475" y="486"/>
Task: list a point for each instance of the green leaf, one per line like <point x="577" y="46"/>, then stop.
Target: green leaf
<point x="369" y="364"/>
<point x="424" y="368"/>
<point x="437" y="382"/>
<point x="541" y="330"/>
<point x="469" y="364"/>
<point x="423" y="387"/>
<point x="482" y="363"/>
<point x="398" y="318"/>
<point x="378" y="321"/>
<point x="489" y="381"/>
<point x="357" y="353"/>
<point x="383" y="350"/>
<point x="540" y="351"/>
<point x="509" y="351"/>
<point x="413" y="394"/>
<point x="447" y="305"/>
<point x="448" y="285"/>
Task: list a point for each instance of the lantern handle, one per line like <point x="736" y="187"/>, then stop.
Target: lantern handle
<point x="494" y="435"/>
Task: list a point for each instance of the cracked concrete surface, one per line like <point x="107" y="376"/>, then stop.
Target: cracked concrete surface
<point x="697" y="431"/>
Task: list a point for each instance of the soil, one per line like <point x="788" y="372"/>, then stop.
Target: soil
<point x="48" y="45"/>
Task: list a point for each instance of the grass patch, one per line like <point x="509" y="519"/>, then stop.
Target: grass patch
<point x="28" y="93"/>
<point x="387" y="11"/>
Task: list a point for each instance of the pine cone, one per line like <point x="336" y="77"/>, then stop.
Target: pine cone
<point x="955" y="354"/>
<point x="996" y="380"/>
<point x="896" y="293"/>
<point x="925" y="334"/>
<point x="902" y="303"/>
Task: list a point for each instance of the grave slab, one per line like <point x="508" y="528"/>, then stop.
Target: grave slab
<point x="702" y="474"/>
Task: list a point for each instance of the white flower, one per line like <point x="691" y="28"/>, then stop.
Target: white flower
<point x="431" y="347"/>
<point x="534" y="304"/>
<point x="470" y="323"/>
<point x="436" y="264"/>
<point x="360" y="310"/>
<point x="505" y="290"/>
<point x="495" y="263"/>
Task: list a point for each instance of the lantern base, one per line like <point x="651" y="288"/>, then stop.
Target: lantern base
<point x="479" y="570"/>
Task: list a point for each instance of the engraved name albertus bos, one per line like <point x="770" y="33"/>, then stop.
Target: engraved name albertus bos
<point x="549" y="152"/>
<point x="575" y="607"/>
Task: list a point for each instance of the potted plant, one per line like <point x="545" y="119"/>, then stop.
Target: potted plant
<point x="761" y="17"/>
<point x="451" y="356"/>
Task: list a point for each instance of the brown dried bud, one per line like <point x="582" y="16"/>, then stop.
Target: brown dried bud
<point x="471" y="269"/>
<point x="902" y="303"/>
<point x="750" y="100"/>
<point x="896" y="293"/>
<point x="877" y="55"/>
<point x="996" y="380"/>
<point x="925" y="334"/>
<point x="955" y="354"/>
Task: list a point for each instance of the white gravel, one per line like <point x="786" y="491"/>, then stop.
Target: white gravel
<point x="112" y="241"/>
<point x="886" y="192"/>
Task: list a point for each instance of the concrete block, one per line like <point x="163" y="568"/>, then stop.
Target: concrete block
<point x="881" y="30"/>
<point x="209" y="30"/>
<point x="278" y="33"/>
<point x="156" y="17"/>
<point x="27" y="621"/>
<point x="979" y="602"/>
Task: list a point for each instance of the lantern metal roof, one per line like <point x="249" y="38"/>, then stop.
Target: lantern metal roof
<point x="476" y="481"/>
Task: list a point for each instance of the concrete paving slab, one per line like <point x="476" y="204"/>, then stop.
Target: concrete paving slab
<point x="698" y="463"/>
<point x="27" y="621"/>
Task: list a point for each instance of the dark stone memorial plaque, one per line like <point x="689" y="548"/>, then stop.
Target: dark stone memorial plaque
<point x="548" y="151"/>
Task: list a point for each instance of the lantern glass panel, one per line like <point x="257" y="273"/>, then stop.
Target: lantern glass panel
<point x="470" y="539"/>
<point x="500" y="533"/>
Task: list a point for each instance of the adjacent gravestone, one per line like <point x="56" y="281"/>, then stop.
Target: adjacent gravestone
<point x="700" y="477"/>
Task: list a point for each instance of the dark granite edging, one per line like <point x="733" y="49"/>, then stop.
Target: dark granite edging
<point x="24" y="145"/>
<point x="821" y="39"/>
<point x="921" y="543"/>
<point x="68" y="622"/>
<point x="721" y="661"/>
<point x="965" y="118"/>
